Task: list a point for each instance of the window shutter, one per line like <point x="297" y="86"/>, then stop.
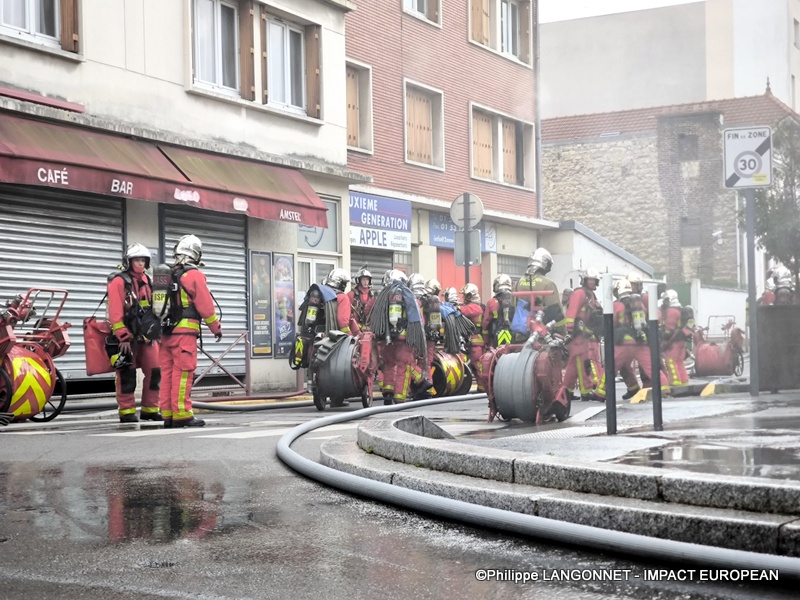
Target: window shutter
<point x="247" y="73"/>
<point x="510" y="152"/>
<point x="353" y="115"/>
<point x="433" y="10"/>
<point x="479" y="11"/>
<point x="525" y="31"/>
<point x="482" y="147"/>
<point x="419" y="127"/>
<point x="312" y="35"/>
<point x="69" y="25"/>
<point x="264" y="88"/>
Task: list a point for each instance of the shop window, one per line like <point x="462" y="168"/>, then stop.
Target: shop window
<point x="424" y="126"/>
<point x="359" y="107"/>
<point x="51" y="23"/>
<point x="290" y="65"/>
<point x="501" y="148"/>
<point x="223" y="46"/>
<point x="503" y="26"/>
<point x="423" y="9"/>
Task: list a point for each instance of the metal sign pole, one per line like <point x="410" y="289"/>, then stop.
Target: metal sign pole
<point x="467" y="249"/>
<point x="610" y="371"/>
<point x="750" y="199"/>
<point x="655" y="355"/>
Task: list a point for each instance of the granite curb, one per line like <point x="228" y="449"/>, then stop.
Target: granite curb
<point x="415" y="440"/>
<point x="724" y="528"/>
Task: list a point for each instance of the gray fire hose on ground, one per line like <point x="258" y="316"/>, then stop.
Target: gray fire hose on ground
<point x="638" y="546"/>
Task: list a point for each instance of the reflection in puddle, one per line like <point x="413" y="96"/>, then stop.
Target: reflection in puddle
<point x="704" y="457"/>
<point x="118" y="504"/>
<point x="159" y="508"/>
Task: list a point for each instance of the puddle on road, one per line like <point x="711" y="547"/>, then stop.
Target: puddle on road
<point x="118" y="504"/>
<point x="704" y="457"/>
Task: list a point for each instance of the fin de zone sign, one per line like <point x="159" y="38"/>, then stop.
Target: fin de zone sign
<point x="748" y="157"/>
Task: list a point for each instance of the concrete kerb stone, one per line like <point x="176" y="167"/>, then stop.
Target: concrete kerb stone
<point x="384" y="438"/>
<point x="724" y="528"/>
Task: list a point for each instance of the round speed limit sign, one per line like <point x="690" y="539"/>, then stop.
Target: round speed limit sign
<point x="747" y="164"/>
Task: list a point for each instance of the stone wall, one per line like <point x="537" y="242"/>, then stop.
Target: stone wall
<point x="611" y="186"/>
<point x="658" y="195"/>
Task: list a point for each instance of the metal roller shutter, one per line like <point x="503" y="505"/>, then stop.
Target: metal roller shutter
<point x="377" y="262"/>
<point x="225" y="254"/>
<point x="58" y="241"/>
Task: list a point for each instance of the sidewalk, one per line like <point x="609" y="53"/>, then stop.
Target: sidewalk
<point x="725" y="471"/>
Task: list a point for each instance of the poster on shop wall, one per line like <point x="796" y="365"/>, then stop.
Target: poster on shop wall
<point x="261" y="304"/>
<point x="283" y="286"/>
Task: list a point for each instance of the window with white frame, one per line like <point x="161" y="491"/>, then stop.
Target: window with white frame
<point x="424" y="126"/>
<point x="216" y="44"/>
<point x="359" y="106"/>
<point x="502" y="148"/>
<point x="425" y="9"/>
<point x="502" y="25"/>
<point x="47" y="22"/>
<point x="285" y="64"/>
<point x="291" y="65"/>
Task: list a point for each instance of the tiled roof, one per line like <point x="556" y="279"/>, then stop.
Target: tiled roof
<point x="747" y="111"/>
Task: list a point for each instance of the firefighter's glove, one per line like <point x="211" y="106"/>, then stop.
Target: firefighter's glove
<point x="125" y="347"/>
<point x="215" y="328"/>
<point x="567" y="339"/>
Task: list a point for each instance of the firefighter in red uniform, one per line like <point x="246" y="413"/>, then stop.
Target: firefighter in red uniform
<point x="431" y="318"/>
<point x="630" y="337"/>
<point x="498" y="314"/>
<point x="360" y="296"/>
<point x="473" y="310"/>
<point x="337" y="280"/>
<point x="627" y="372"/>
<point x="584" y="322"/>
<point x="395" y="319"/>
<point x="130" y="294"/>
<point x="190" y="302"/>
<point x="674" y="336"/>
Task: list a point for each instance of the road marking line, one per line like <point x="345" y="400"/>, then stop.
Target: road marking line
<point x="271" y="432"/>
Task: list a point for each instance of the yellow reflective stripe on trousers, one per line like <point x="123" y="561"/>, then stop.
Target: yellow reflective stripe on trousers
<point x="187" y="324"/>
<point x="182" y="392"/>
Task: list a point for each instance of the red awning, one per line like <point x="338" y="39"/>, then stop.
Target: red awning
<point x="243" y="183"/>
<point x="68" y="157"/>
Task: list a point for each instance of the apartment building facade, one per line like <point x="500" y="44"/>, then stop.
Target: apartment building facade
<point x="441" y="101"/>
<point x="692" y="52"/>
<point x="133" y="120"/>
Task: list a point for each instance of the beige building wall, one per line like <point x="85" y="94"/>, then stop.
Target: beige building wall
<point x="719" y="49"/>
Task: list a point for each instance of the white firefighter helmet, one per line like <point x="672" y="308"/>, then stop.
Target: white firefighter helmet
<point x="394" y="275"/>
<point x="622" y="289"/>
<point x="634" y="277"/>
<point x="432" y="286"/>
<point x="590" y="273"/>
<point x="451" y="296"/>
<point x="337" y="279"/>
<point x="362" y="272"/>
<point x="417" y="284"/>
<point x="540" y="260"/>
<point x="136" y="250"/>
<point x="501" y="283"/>
<point x="189" y="248"/>
<point x="471" y="293"/>
<point x="670" y="297"/>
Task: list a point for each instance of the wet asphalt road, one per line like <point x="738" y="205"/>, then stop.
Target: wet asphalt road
<point x="92" y="510"/>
